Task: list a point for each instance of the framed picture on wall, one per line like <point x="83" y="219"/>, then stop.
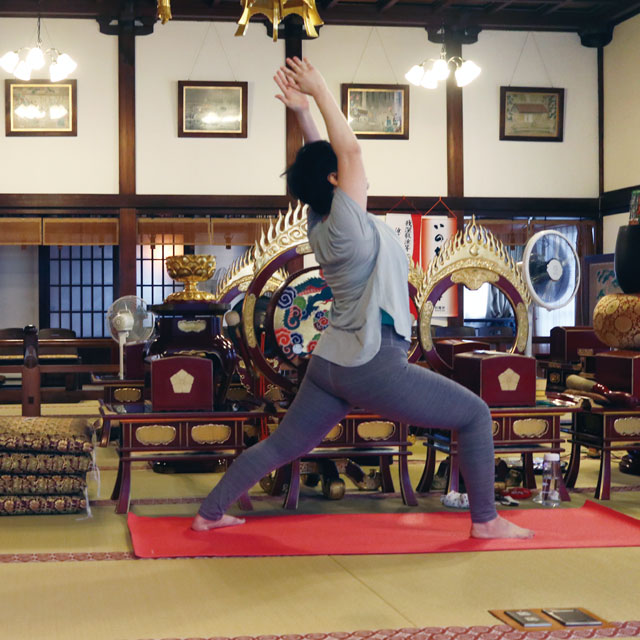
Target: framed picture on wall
<point x="600" y="280"/>
<point x="531" y="113"/>
<point x="212" y="109"/>
<point x="377" y="111"/>
<point x="41" y="108"/>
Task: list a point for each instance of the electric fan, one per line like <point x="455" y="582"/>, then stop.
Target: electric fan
<point x="130" y="322"/>
<point x="551" y="271"/>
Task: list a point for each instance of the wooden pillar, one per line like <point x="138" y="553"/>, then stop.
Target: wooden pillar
<point x="31" y="394"/>
<point x="127" y="253"/>
<point x="293" y="47"/>
<point x="455" y="151"/>
<point x="599" y="223"/>
<point x="127" y="157"/>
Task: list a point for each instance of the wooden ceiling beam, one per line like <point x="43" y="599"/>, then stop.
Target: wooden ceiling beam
<point x="507" y="14"/>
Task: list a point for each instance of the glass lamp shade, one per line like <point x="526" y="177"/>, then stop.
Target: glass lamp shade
<point x="466" y="73"/>
<point x="429" y="80"/>
<point x="9" y="61"/>
<point x="68" y="63"/>
<point x="35" y="58"/>
<point x="22" y="71"/>
<point x="440" y="69"/>
<point x="415" y="74"/>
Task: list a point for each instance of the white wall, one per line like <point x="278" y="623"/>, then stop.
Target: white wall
<point x="382" y="55"/>
<point x="88" y="162"/>
<point x="18" y="286"/>
<point x="167" y="164"/>
<point x="610" y="226"/>
<point x="495" y="168"/>
<point x="621" y="113"/>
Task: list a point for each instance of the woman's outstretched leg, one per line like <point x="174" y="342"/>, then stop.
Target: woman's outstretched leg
<point x="313" y="413"/>
<point x="392" y="387"/>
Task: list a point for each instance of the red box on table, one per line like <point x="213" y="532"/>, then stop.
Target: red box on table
<point x="569" y="343"/>
<point x="500" y="379"/>
<point x="449" y="347"/>
<point x="619" y="370"/>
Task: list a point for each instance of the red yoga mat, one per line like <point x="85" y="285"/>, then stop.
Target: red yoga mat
<point x="591" y="525"/>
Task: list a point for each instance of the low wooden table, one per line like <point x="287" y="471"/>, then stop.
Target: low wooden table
<point x="604" y="429"/>
<point x="357" y="436"/>
<point x="524" y="430"/>
<point x="168" y="436"/>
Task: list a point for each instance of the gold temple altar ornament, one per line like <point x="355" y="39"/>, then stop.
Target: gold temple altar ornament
<point x="190" y="269"/>
<point x="164" y="11"/>
<point x="277" y="10"/>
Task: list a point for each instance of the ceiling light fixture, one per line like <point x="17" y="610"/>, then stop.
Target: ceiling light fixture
<point x="22" y="62"/>
<point x="429" y="72"/>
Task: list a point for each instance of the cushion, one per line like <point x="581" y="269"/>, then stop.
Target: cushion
<point x="11" y="484"/>
<point x="22" y="505"/>
<point x="44" y="433"/>
<point x="29" y="463"/>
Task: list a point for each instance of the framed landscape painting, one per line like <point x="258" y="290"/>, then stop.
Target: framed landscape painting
<point x="378" y="111"/>
<point x="531" y="113"/>
<point x="212" y="109"/>
<point x="41" y="108"/>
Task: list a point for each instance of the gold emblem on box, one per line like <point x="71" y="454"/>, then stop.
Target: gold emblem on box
<point x="376" y="430"/>
<point x="154" y="434"/>
<point x="530" y="427"/>
<point x="335" y="433"/>
<point x="211" y="433"/>
<point x="127" y="394"/>
<point x="627" y="426"/>
<point x="508" y="380"/>
<point x="181" y="382"/>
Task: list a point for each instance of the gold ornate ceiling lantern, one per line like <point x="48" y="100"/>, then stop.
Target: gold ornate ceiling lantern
<point x="164" y="11"/>
<point x="278" y="10"/>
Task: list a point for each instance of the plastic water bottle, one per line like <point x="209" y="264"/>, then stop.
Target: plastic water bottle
<point x="549" y="495"/>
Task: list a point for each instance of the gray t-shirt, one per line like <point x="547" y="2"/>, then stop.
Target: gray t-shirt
<point x="366" y="267"/>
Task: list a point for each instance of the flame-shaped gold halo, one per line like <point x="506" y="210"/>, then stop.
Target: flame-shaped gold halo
<point x="277" y="10"/>
<point x="474" y="256"/>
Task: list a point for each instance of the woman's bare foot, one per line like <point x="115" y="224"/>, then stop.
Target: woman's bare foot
<point x="499" y="528"/>
<point x="202" y="524"/>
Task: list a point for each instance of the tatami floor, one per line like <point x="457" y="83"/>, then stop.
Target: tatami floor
<point x="67" y="577"/>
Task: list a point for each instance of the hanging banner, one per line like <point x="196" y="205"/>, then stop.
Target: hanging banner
<point x="435" y="231"/>
<point x="406" y="226"/>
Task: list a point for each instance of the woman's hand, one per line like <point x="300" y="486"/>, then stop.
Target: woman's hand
<point x="303" y="76"/>
<point x="290" y="97"/>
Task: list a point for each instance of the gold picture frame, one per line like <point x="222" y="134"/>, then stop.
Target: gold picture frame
<point x="212" y="109"/>
<point x="377" y="111"/>
<point x="41" y="108"/>
<point x="533" y="114"/>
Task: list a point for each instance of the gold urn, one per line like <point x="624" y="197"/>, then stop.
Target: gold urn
<point x="190" y="269"/>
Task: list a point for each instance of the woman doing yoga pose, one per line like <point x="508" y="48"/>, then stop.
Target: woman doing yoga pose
<point x="361" y="358"/>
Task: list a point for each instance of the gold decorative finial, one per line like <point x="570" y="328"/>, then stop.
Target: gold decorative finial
<point x="164" y="11"/>
<point x="278" y="10"/>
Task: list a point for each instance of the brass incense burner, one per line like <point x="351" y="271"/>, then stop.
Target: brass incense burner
<point x="190" y="269"/>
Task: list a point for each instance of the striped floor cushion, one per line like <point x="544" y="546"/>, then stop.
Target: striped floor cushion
<point x="29" y="505"/>
<point x="15" y="485"/>
<point x="44" y="433"/>
<point x="43" y="463"/>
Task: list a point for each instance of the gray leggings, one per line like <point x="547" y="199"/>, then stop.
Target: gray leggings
<point x="389" y="386"/>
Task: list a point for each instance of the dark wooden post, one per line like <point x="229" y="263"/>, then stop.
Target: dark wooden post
<point x="127" y="156"/>
<point x="30" y="373"/>
<point x="293" y="47"/>
<point x="455" y="148"/>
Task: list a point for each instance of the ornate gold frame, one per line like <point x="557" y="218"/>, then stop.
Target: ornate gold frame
<point x="472" y="257"/>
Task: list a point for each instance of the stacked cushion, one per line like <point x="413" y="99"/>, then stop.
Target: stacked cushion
<point x="43" y="464"/>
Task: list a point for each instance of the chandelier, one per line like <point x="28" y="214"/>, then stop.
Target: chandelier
<point x="22" y="62"/>
<point x="429" y="72"/>
<point x="274" y="10"/>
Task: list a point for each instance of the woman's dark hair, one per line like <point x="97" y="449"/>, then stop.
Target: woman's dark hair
<point x="307" y="176"/>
